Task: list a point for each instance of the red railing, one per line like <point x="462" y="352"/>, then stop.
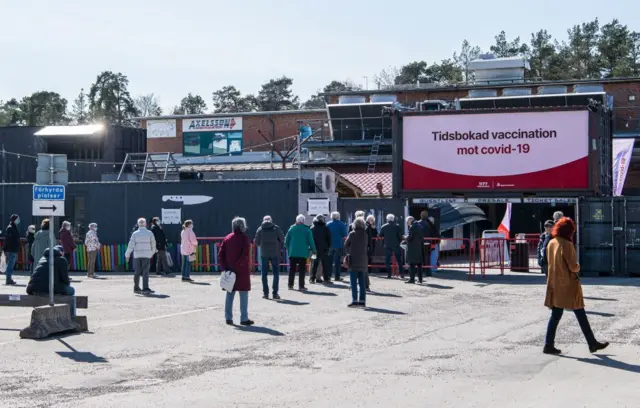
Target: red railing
<point x="517" y="254"/>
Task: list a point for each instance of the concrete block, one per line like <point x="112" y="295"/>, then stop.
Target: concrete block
<point x="48" y="320"/>
<point x="82" y="321"/>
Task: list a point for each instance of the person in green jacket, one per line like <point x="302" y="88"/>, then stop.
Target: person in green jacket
<point x="299" y="241"/>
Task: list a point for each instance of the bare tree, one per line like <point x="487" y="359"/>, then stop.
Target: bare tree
<point x="148" y="105"/>
<point x="387" y="77"/>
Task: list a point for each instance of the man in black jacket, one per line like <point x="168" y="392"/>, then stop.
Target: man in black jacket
<point x="322" y="238"/>
<point x="391" y="235"/>
<point x="162" y="263"/>
<point x="12" y="247"/>
<point x="269" y="238"/>
<point x="39" y="282"/>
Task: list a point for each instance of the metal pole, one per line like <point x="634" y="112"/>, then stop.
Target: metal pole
<point x="299" y="166"/>
<point x="51" y="239"/>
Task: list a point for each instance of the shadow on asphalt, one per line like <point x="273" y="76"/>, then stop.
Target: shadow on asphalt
<point x="310" y="292"/>
<point x="154" y="295"/>
<point x="13" y="330"/>
<point x="379" y="294"/>
<point x="292" y="302"/>
<point x="598" y="298"/>
<point x="259" y="329"/>
<point x="79" y="356"/>
<point x="200" y="283"/>
<point x="384" y="311"/>
<point x="435" y="286"/>
<point x="606" y="361"/>
<point x="602" y="314"/>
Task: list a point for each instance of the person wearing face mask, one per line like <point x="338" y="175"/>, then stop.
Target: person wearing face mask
<point x="66" y="240"/>
<point x="11" y="247"/>
<point x="162" y="263"/>
<point x="142" y="245"/>
<point x="92" y="243"/>
<point x="41" y="242"/>
<point x="188" y="248"/>
<point x="31" y="235"/>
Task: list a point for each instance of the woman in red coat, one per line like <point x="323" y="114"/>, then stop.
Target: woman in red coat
<point x="234" y="256"/>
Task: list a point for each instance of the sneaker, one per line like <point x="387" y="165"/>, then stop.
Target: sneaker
<point x="230" y="322"/>
<point x="328" y="282"/>
<point x="247" y="323"/>
<point x="137" y="290"/>
<point x="410" y="282"/>
<point x="353" y="304"/>
<point x="265" y="297"/>
<point x="276" y="296"/>
<point x="598" y="346"/>
<point x="339" y="280"/>
<point x="312" y="281"/>
<point x="11" y="283"/>
<point x="420" y="281"/>
<point x="187" y="280"/>
<point x="319" y="281"/>
<point x="302" y="288"/>
<point x="290" y="287"/>
<point x="362" y="304"/>
<point x="147" y="291"/>
<point x="551" y="350"/>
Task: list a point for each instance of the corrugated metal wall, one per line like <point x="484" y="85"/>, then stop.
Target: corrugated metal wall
<point x="116" y="206"/>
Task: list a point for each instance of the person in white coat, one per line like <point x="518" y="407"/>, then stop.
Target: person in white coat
<point x="143" y="245"/>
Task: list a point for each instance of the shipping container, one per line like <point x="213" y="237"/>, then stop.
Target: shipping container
<point x="561" y="152"/>
<point x="116" y="206"/>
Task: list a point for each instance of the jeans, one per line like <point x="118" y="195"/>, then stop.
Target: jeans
<point x="413" y="268"/>
<point x="554" y="320"/>
<point x="12" y="257"/>
<point x="162" y="263"/>
<point x="335" y="255"/>
<point x="264" y="271"/>
<point x="434" y="258"/>
<point x="70" y="291"/>
<point x="298" y="265"/>
<point x="244" y="306"/>
<point x="358" y="280"/>
<point x="321" y="258"/>
<point x="186" y="267"/>
<point x="388" y="252"/>
<point x="91" y="262"/>
<point x="142" y="266"/>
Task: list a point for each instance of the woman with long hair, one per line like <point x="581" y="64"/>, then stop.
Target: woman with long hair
<point x="188" y="248"/>
<point x="564" y="290"/>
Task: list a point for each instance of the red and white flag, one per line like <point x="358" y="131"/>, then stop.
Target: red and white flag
<point x="505" y="225"/>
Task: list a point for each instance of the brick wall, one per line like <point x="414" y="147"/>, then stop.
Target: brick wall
<point x="284" y="125"/>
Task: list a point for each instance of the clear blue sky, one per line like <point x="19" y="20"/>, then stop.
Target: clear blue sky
<point x="171" y="48"/>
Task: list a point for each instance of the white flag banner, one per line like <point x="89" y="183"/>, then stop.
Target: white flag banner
<point x="622" y="149"/>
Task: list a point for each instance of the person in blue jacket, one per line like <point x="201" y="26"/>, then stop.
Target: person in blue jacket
<point x="338" y="234"/>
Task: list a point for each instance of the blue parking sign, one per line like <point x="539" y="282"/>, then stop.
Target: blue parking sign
<point x="50" y="193"/>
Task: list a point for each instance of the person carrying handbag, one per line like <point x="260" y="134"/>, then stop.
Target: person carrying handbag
<point x="188" y="248"/>
<point x="234" y="257"/>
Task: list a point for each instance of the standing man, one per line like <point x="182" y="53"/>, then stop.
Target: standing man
<point x="162" y="263"/>
<point x="391" y="235"/>
<point x="143" y="245"/>
<point x="66" y="240"/>
<point x="269" y="238"/>
<point x="338" y="234"/>
<point x="299" y="241"/>
<point x="322" y="239"/>
<point x="415" y="250"/>
<point x="11" y="247"/>
<point x="557" y="215"/>
<point x="92" y="243"/>
<point x="430" y="233"/>
<point x="545" y="237"/>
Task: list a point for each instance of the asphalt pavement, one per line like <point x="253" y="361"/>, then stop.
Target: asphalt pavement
<point x="447" y="343"/>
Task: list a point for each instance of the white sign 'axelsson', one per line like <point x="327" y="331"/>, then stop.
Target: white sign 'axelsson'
<point x="161" y="128"/>
<point x="212" y="124"/>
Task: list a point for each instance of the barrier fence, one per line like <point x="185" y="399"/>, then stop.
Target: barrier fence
<point x="462" y="254"/>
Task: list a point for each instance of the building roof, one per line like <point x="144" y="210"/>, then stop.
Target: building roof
<point x="75" y="130"/>
<point x="432" y="87"/>
<point x="277" y="165"/>
<point x="367" y="182"/>
<point x="226" y="115"/>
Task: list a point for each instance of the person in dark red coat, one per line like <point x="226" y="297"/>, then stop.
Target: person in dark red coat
<point x="234" y="256"/>
<point x="66" y="240"/>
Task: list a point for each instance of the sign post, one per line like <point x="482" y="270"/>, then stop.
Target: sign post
<point x="48" y="199"/>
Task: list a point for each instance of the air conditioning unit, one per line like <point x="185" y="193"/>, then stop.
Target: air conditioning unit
<point x="325" y="181"/>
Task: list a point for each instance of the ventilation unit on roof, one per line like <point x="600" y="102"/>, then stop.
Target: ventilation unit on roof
<point x="552" y="89"/>
<point x="483" y="93"/>
<point x="325" y="181"/>
<point x="383" y="98"/>
<point x="588" y="88"/>
<point x="516" y="91"/>
<point x="490" y="70"/>
<point x="351" y="99"/>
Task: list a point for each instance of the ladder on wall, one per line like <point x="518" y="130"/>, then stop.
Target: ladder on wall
<point x="373" y="156"/>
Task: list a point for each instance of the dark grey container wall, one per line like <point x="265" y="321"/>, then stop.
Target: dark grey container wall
<point x="116" y="206"/>
<point x="378" y="207"/>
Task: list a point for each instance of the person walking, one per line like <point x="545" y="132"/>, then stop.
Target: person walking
<point x="143" y="245"/>
<point x="415" y="250"/>
<point x="41" y="242"/>
<point x="92" y="243"/>
<point x="234" y="256"/>
<point x="322" y="239"/>
<point x="11" y="247"/>
<point x="372" y="236"/>
<point x="66" y="240"/>
<point x="435" y="247"/>
<point x="338" y="234"/>
<point x="299" y="241"/>
<point x="30" y="236"/>
<point x="269" y="238"/>
<point x="391" y="235"/>
<point x="564" y="290"/>
<point x="188" y="248"/>
<point x="162" y="262"/>
<point x="356" y="247"/>
<point x="545" y="237"/>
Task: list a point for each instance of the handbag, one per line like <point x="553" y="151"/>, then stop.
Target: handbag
<point x="169" y="260"/>
<point x="346" y="262"/>
<point x="227" y="280"/>
<point x="192" y="258"/>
